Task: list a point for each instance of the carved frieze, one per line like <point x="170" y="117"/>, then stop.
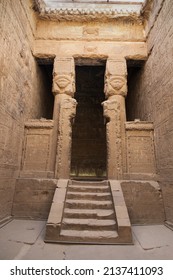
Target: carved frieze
<point x="81" y="11"/>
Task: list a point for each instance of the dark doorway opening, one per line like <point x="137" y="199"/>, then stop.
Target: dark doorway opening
<point x="45" y="70"/>
<point x="135" y="69"/>
<point x="89" y="153"/>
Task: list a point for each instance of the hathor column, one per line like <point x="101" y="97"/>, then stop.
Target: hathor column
<point x="64" y="112"/>
<point x="114" y="112"/>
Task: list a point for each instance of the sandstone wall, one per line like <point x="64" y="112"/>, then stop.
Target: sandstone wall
<point x="22" y="90"/>
<point x="33" y="198"/>
<point x="144" y="202"/>
<point x="150" y="94"/>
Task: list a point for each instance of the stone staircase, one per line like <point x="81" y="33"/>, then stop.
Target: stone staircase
<point x="85" y="212"/>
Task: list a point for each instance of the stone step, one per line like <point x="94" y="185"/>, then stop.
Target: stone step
<point x="87" y="226"/>
<point x="90" y="222"/>
<point x="88" y="204"/>
<point x="92" y="212"/>
<point x="85" y="235"/>
<point x="89" y="189"/>
<point x="87" y="196"/>
<point x="89" y="183"/>
<point x="89" y="213"/>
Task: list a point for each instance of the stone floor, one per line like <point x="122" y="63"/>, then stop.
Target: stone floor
<point x="23" y="240"/>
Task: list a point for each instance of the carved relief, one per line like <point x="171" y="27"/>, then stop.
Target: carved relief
<point x="115" y="66"/>
<point x="66" y="115"/>
<point x="112" y="109"/>
<point x="140" y="147"/>
<point x="90" y="31"/>
<point x="115" y="78"/>
<point x="36" y="153"/>
<point x="64" y="84"/>
<point x="90" y="49"/>
<point x="64" y="76"/>
<point x="115" y="85"/>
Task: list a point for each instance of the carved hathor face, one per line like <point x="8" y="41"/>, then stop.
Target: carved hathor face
<point x="115" y="85"/>
<point x="64" y="84"/>
<point x="62" y="81"/>
<point x="117" y="82"/>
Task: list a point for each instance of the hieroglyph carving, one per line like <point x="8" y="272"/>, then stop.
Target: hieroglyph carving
<point x="113" y="132"/>
<point x="64" y="76"/>
<point x="66" y="115"/>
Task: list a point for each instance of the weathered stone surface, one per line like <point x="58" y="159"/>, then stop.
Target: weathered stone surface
<point x="22" y="90"/>
<point x="167" y="190"/>
<point x="144" y="202"/>
<point x="140" y="151"/>
<point x="114" y="112"/>
<point x="33" y="197"/>
<point x="89" y="11"/>
<point x="150" y="92"/>
<point x="87" y="218"/>
<point x="66" y="114"/>
<point x="120" y="31"/>
<point x="37" y="147"/>
<point x="25" y="94"/>
<point x="94" y="49"/>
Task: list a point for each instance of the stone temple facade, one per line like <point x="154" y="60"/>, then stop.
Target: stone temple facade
<point x="86" y="128"/>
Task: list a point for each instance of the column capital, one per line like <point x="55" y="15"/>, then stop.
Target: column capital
<point x="115" y="77"/>
<point x="64" y="76"/>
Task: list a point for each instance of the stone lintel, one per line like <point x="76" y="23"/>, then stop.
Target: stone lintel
<point x="84" y="49"/>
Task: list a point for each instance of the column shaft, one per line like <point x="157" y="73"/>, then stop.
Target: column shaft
<point x="114" y="112"/>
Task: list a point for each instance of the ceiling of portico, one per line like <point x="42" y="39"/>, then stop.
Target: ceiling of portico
<point x="89" y="9"/>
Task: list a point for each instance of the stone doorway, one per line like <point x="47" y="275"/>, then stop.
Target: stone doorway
<point x="89" y="152"/>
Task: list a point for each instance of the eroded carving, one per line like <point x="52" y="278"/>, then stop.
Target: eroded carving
<point x="66" y="115"/>
<point x="115" y="85"/>
<point x="64" y="76"/>
<point x="112" y="108"/>
<point x="90" y="31"/>
<point x="140" y="147"/>
<point x="115" y="78"/>
<point x="90" y="49"/>
<point x="64" y="84"/>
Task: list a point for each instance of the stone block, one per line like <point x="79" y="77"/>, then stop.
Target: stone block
<point x="55" y="215"/>
<point x="167" y="190"/>
<point x="144" y="202"/>
<point x="33" y="197"/>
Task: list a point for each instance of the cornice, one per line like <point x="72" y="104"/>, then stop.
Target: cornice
<point x="89" y="11"/>
<point x="139" y="125"/>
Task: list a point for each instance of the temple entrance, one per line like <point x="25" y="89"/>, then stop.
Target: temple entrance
<point x="89" y="152"/>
